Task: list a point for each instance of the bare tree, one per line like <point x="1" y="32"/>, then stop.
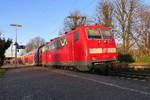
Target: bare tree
<point x="104" y="14"/>
<point x="143" y="30"/>
<point x="34" y="43"/>
<point x="125" y="12"/>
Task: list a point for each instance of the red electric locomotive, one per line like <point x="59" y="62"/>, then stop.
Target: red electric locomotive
<point x="83" y="48"/>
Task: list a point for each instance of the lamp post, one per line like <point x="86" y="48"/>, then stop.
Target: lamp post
<point x="0" y="33"/>
<point x="16" y="25"/>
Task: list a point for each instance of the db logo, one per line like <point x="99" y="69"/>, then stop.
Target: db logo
<point x="105" y="50"/>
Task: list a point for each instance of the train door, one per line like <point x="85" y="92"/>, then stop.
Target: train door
<point x="46" y="55"/>
<point x="75" y="46"/>
<point x="79" y="52"/>
<point x="36" y="57"/>
<point x="40" y="56"/>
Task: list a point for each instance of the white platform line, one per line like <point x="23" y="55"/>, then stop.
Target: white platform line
<point x="105" y="83"/>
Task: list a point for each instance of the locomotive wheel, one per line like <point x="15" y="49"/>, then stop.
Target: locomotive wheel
<point x="102" y="69"/>
<point x="74" y="69"/>
<point x="65" y="67"/>
<point x="92" y="71"/>
<point x="83" y="68"/>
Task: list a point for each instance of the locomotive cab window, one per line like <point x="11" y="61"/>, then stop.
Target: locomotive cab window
<point x="76" y="36"/>
<point x="106" y="34"/>
<point x="96" y="33"/>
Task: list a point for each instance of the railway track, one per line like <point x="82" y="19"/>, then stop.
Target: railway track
<point x="133" y="71"/>
<point x="135" y="76"/>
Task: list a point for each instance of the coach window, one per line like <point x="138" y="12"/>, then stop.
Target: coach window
<point x="76" y="36"/>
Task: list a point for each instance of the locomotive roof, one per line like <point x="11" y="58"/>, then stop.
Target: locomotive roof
<point x="82" y="27"/>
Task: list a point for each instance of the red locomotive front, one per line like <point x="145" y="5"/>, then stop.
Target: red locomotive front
<point x="94" y="45"/>
<point x="101" y="45"/>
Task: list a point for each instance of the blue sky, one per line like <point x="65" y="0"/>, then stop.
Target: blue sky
<point x="42" y="18"/>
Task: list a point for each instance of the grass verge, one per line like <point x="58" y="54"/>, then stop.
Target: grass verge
<point x="143" y="60"/>
<point x="2" y="72"/>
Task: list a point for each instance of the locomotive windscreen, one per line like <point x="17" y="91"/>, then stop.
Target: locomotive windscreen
<point x="96" y="33"/>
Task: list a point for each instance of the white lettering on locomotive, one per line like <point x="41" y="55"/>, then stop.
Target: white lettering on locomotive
<point x="63" y="41"/>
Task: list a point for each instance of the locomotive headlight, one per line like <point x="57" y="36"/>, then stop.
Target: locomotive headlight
<point x="105" y="41"/>
<point x="114" y="57"/>
<point x="93" y="58"/>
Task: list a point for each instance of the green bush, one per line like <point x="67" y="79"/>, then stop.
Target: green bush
<point x="125" y="58"/>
